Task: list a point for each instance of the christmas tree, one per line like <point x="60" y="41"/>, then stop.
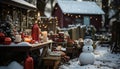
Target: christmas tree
<point x="7" y="27"/>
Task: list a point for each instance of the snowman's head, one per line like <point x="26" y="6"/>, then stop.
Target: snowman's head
<point x="88" y="42"/>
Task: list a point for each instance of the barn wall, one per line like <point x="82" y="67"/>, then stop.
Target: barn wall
<point x="65" y="19"/>
<point x="58" y="13"/>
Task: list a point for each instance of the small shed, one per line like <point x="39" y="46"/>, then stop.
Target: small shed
<point x="78" y="12"/>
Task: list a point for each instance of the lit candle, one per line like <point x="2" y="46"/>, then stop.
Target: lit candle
<point x="17" y="38"/>
<point x="44" y="36"/>
<point x="26" y="39"/>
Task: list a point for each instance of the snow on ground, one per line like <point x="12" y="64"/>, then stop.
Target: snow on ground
<point x="104" y="60"/>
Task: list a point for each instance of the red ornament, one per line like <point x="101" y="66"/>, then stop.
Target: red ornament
<point x="7" y="40"/>
<point x="29" y="63"/>
<point x="32" y="41"/>
<point x="2" y="37"/>
<point x="35" y="32"/>
<point x="22" y="35"/>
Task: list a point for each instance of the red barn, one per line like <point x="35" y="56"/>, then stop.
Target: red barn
<point x="78" y="12"/>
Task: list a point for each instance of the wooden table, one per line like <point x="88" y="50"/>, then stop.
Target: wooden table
<point x="18" y="48"/>
<point x="8" y="52"/>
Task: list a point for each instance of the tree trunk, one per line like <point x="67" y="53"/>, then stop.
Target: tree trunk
<point x="105" y="9"/>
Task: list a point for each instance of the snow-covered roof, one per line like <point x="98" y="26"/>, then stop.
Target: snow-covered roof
<point x="79" y="7"/>
<point x="24" y="3"/>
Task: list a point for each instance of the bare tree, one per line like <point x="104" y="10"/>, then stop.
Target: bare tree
<point x="107" y="6"/>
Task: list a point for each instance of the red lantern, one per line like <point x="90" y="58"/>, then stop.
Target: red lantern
<point x="7" y="40"/>
<point x="29" y="63"/>
<point x="35" y="32"/>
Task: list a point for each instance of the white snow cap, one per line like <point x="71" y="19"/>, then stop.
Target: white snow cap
<point x="79" y="0"/>
<point x="79" y="7"/>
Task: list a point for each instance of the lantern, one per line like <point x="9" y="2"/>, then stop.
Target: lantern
<point x="35" y="32"/>
<point x="29" y="64"/>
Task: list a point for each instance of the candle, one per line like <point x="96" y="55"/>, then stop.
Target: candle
<point x="27" y="39"/>
<point x="44" y="36"/>
<point x="17" y="38"/>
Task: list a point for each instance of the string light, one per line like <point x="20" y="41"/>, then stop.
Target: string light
<point x="90" y="17"/>
<point x="43" y="24"/>
<point x="68" y="14"/>
<point x="56" y="18"/>
<point x="96" y="19"/>
<point x="8" y="12"/>
<point x="38" y="14"/>
<point x="56" y="8"/>
<point x="50" y="22"/>
<point x="110" y="6"/>
<point x="64" y="13"/>
<point x="76" y="16"/>
<point x="56" y="23"/>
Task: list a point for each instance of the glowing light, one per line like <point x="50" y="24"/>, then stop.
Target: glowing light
<point x="45" y="26"/>
<point x="56" y="8"/>
<point x="110" y="6"/>
<point x="50" y="22"/>
<point x="56" y="18"/>
<point x="90" y="17"/>
<point x="8" y="12"/>
<point x="68" y="14"/>
<point x="64" y="13"/>
<point x="38" y="14"/>
<point x="76" y="16"/>
<point x="96" y="19"/>
<point x="56" y="23"/>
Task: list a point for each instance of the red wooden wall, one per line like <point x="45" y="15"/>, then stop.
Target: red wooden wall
<point x="65" y="19"/>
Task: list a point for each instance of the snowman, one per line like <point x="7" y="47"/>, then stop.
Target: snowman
<point x="87" y="57"/>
